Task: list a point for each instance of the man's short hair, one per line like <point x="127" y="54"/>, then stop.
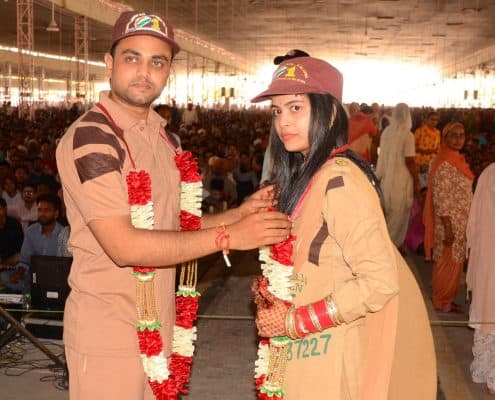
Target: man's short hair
<point x="432" y="113"/>
<point x="51" y="199"/>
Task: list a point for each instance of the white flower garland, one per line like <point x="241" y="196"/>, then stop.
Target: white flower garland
<point x="143" y="217"/>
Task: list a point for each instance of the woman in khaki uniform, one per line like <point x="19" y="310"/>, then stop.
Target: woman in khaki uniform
<point x="356" y="318"/>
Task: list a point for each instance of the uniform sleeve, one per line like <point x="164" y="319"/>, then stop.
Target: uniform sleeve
<point x="90" y="164"/>
<point x="357" y="224"/>
<point x="409" y="148"/>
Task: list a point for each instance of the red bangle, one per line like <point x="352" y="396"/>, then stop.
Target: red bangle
<point x="322" y="314"/>
<point x="304" y="317"/>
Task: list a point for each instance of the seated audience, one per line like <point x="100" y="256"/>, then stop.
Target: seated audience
<point x="41" y="238"/>
<point x="25" y="210"/>
<point x="10" y="192"/>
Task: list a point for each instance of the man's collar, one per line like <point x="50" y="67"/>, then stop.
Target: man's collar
<point x="125" y="120"/>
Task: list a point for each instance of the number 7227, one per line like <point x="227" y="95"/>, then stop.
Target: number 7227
<point x="306" y="348"/>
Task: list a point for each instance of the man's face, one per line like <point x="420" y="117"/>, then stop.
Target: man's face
<point x="21" y="175"/>
<point x="139" y="69"/>
<point x="432" y="121"/>
<point x="28" y="194"/>
<point x="47" y="214"/>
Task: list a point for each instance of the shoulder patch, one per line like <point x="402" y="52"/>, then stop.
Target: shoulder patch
<point x="88" y="135"/>
<point x="98" y="118"/>
<point x="334" y="183"/>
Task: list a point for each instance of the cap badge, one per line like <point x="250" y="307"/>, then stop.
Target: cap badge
<point x="291" y="72"/>
<point x="146" y="22"/>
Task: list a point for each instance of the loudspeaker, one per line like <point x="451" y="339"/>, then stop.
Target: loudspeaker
<point x="222" y="92"/>
<point x="232" y="92"/>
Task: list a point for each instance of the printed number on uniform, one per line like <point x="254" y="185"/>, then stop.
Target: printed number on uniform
<point x="306" y="348"/>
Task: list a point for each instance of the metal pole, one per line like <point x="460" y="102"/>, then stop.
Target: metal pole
<point x="24" y="332"/>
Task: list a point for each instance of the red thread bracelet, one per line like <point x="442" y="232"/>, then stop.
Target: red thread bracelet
<point x="222" y="241"/>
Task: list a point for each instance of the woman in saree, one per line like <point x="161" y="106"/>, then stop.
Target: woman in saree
<point x="339" y="313"/>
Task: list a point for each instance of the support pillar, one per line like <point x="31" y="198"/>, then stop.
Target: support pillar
<point x="81" y="52"/>
<point x="25" y="45"/>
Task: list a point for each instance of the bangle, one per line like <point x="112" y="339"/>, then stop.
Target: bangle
<point x="333" y="310"/>
<point x="299" y="326"/>
<point x="222" y="241"/>
<point x="314" y="317"/>
<point x="305" y="318"/>
<point x="289" y="323"/>
<point x="324" y="317"/>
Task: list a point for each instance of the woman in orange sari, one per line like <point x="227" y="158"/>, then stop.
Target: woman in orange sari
<point x="445" y="217"/>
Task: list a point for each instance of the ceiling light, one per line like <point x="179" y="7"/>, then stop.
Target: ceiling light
<point x="385" y="17"/>
<point x="439" y="35"/>
<point x="52" y="26"/>
<point x="454" y="23"/>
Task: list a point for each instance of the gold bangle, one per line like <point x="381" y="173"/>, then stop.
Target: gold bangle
<point x="300" y="323"/>
<point x="289" y="323"/>
<point x="314" y="318"/>
<point x="295" y="334"/>
<point x="333" y="310"/>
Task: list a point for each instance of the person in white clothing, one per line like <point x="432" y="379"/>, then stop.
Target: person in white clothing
<point x="481" y="278"/>
<point x="396" y="170"/>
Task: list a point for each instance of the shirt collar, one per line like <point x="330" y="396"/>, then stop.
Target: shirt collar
<point x="124" y="120"/>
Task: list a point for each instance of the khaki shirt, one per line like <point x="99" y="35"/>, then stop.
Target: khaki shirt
<point x="100" y="314"/>
<point x="343" y="248"/>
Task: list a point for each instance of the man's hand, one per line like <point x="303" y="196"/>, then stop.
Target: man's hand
<point x="258" y="201"/>
<point x="259" y="229"/>
<point x="271" y="312"/>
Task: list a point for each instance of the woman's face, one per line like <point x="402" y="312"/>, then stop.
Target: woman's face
<point x="455" y="138"/>
<point x="291" y="116"/>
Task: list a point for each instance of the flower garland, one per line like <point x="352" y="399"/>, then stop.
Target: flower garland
<point x="167" y="378"/>
<point x="277" y="267"/>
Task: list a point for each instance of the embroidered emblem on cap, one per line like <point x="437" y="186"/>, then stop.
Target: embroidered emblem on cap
<point x="146" y="22"/>
<point x="340" y="162"/>
<point x="291" y="71"/>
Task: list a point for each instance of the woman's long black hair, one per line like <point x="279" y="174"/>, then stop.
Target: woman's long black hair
<point x="291" y="172"/>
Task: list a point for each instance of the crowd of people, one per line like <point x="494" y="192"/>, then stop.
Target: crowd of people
<point x="428" y="163"/>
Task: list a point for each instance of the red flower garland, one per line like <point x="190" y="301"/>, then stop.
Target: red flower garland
<point x="149" y="338"/>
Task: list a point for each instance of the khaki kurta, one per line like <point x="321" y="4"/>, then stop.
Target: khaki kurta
<point x="343" y="248"/>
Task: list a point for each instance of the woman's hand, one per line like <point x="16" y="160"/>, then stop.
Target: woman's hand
<point x="271" y="312"/>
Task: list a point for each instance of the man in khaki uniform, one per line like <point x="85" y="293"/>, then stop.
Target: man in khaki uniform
<point x="100" y="316"/>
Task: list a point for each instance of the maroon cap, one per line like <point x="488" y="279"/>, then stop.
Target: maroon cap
<point x="304" y="75"/>
<point x="132" y="23"/>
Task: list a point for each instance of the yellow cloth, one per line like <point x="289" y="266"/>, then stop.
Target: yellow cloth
<point x="426" y="139"/>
